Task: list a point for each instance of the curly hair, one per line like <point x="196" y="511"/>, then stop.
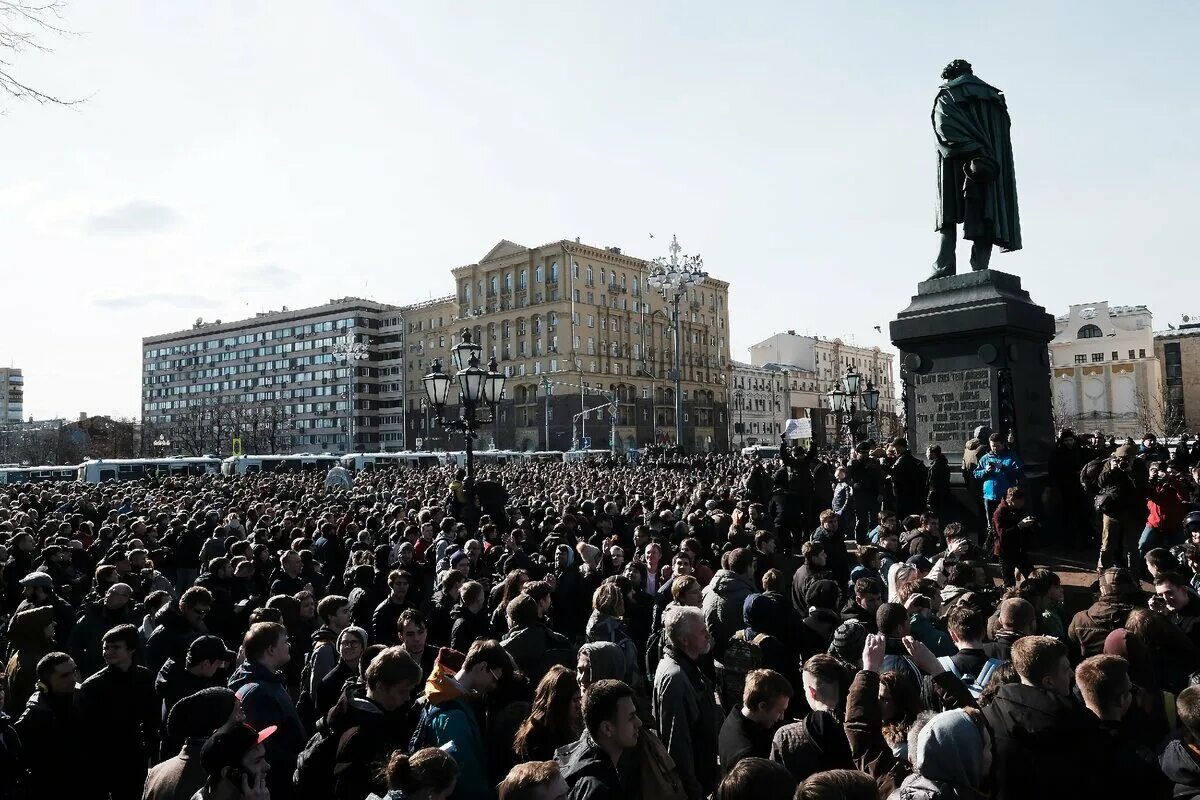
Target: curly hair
<point x="956" y="68"/>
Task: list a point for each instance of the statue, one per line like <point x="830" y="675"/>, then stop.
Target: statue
<point x="977" y="185"/>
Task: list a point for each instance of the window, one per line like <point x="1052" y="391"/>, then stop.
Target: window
<point x="591" y="321"/>
<point x="537" y="275"/>
<point x="1115" y="355"/>
<point x="1089" y="332"/>
<point x="554" y="272"/>
<point x="1097" y="357"/>
<point x="1141" y="353"/>
<point x="1080" y="359"/>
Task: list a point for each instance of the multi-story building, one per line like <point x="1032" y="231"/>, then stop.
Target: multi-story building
<point x="587" y="348"/>
<point x="814" y="364"/>
<point x="1105" y="373"/>
<point x="12" y="389"/>
<point x="758" y="403"/>
<point x="277" y="382"/>
<point x="1178" y="352"/>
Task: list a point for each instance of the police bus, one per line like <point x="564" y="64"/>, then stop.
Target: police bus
<point x="368" y="462"/>
<point x="301" y="462"/>
<point x="37" y="474"/>
<point x="99" y="470"/>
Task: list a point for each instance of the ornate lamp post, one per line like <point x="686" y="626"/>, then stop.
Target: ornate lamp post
<point x="350" y="352"/>
<point x="476" y="387"/>
<point x="672" y="278"/>
<point x="845" y="398"/>
<point x="161" y="444"/>
<point x="739" y="397"/>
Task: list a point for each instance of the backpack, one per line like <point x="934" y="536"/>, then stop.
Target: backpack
<point x="1089" y="476"/>
<point x="975" y="683"/>
<point x="314" y="775"/>
<point x="742" y="655"/>
<point x="420" y="734"/>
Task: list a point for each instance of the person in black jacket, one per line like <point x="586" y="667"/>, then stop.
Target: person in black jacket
<point x="387" y="613"/>
<point x="865" y="481"/>
<point x="177" y="626"/>
<point x="908" y="481"/>
<point x="612" y="725"/>
<point x="208" y="662"/>
<point x="52" y="725"/>
<point x="747" y="731"/>
<point x="937" y="479"/>
<point x="120" y="711"/>
<point x="470" y="620"/>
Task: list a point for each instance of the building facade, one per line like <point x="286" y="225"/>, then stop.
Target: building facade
<point x="276" y="382"/>
<point x="587" y="349"/>
<point x="12" y="389"/>
<point x="814" y="365"/>
<point x="1178" y="352"/>
<point x="759" y="404"/>
<point x="1105" y="374"/>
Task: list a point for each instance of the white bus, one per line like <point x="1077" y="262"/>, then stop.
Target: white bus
<point x="37" y="474"/>
<point x="301" y="462"/>
<point x="572" y="456"/>
<point x="99" y="470"/>
<point x="368" y="462"/>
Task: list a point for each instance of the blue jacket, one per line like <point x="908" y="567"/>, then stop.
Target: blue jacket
<point x="454" y="721"/>
<point x="1009" y="472"/>
<point x="265" y="701"/>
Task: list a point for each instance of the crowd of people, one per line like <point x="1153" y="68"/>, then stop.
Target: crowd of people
<point x="811" y="626"/>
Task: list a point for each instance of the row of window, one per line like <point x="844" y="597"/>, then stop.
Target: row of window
<point x="261" y="336"/>
<point x="1099" y="357"/>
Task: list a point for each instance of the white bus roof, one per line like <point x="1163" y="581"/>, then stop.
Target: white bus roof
<point x="167" y="460"/>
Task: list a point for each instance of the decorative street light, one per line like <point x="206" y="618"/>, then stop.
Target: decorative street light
<point x="739" y="397"/>
<point x="350" y="352"/>
<point x="672" y="278"/>
<point x="476" y="387"/>
<point x="161" y="444"/>
<point x="844" y="400"/>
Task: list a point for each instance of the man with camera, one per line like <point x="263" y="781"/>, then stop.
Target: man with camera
<point x="1121" y="501"/>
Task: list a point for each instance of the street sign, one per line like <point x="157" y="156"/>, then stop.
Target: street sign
<point x="585" y="443"/>
<point x="420" y="443"/>
<point x="237" y="446"/>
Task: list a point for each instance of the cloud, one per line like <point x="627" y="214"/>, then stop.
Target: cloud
<point x="271" y="277"/>
<point x="136" y="216"/>
<point x="155" y="300"/>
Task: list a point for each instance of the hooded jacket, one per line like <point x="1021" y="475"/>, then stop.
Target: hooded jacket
<point x="948" y="764"/>
<point x="452" y="719"/>
<point x="536" y="649"/>
<point x="722" y="605"/>
<point x="1181" y="764"/>
<point x="603" y="628"/>
<point x="467" y="627"/>
<point x="1091" y="626"/>
<point x="171" y="637"/>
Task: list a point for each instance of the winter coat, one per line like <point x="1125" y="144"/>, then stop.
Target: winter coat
<point x="743" y="738"/>
<point x="836" y="559"/>
<point x="12" y="761"/>
<point x="1091" y="626"/>
<point x="688" y="721"/>
<point x="722" y="605"/>
<point x="177" y="778"/>
<point x="948" y="763"/>
<point x="171" y="638"/>
<point x="84" y="642"/>
<point x="1181" y="765"/>
<point x="814" y="744"/>
<point x="384" y="619"/>
<point x="602" y="628"/>
<point x="1012" y="541"/>
<point x="468" y="626"/>
<point x="26" y="638"/>
<point x="592" y="776"/>
<point x="908" y="482"/>
<point x="368" y="735"/>
<point x="50" y="727"/>
<point x="1007" y="472"/>
<point x="452" y="719"/>
<point x="122" y="715"/>
<point x="938" y="482"/>
<point x="1126" y="491"/>
<point x="265" y="701"/>
<point x="1036" y="738"/>
<point x="172" y="684"/>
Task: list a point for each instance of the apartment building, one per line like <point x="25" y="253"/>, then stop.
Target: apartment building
<point x="12" y="389"/>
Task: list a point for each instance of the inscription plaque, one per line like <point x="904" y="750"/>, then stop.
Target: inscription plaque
<point x="950" y="405"/>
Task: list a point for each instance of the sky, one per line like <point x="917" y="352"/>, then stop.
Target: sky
<point x="237" y="156"/>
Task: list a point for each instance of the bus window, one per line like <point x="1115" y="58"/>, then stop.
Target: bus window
<point x="108" y="475"/>
<point x="252" y="468"/>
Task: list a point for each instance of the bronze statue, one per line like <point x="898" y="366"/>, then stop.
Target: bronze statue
<point x="977" y="185"/>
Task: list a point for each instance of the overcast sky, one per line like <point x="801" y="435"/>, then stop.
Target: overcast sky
<point x="233" y="157"/>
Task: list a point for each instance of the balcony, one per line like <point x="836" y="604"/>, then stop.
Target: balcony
<point x="615" y="289"/>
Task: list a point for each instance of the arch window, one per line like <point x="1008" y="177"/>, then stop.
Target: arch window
<point x="1090" y="332"/>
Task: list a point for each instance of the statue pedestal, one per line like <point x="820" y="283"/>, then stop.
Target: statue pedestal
<point x="974" y="351"/>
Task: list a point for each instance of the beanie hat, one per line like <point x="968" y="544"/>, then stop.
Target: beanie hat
<point x="848" y="640"/>
<point x="352" y="630"/>
<point x="822" y="594"/>
<point x="200" y="714"/>
<point x="450" y="660"/>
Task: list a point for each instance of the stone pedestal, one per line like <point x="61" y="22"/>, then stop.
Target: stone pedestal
<point x="973" y="351"/>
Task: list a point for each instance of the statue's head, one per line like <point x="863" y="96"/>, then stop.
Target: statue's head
<point x="956" y="68"/>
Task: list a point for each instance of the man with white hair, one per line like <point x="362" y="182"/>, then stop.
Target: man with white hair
<point x="688" y="722"/>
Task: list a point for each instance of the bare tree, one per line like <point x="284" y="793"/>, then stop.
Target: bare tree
<point x="23" y="26"/>
<point x="1159" y="418"/>
<point x="1059" y="417"/>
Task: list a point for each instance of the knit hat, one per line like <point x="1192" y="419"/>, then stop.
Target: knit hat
<point x="352" y="630"/>
<point x="200" y="714"/>
<point x="457" y="557"/>
<point x="848" y="640"/>
<point x="449" y="659"/>
<point x="1116" y="581"/>
<point x="1125" y="451"/>
<point x="822" y="594"/>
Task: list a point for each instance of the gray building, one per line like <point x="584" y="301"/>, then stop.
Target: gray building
<point x="12" y="389"/>
<point x="279" y="382"/>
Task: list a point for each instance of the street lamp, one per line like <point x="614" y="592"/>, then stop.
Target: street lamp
<point x="161" y="444"/>
<point x="350" y="352"/>
<point x="845" y="398"/>
<point x="476" y="386"/>
<point x="672" y="278"/>
<point x="739" y="397"/>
